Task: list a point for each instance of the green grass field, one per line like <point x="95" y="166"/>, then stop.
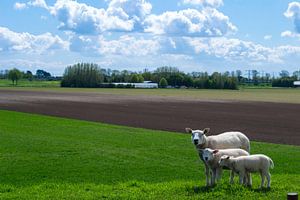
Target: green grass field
<point x="54" y="158"/>
<point x="26" y="83"/>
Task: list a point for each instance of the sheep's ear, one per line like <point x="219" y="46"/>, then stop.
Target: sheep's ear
<point x="206" y="130"/>
<point x="215" y="151"/>
<point x="188" y="130"/>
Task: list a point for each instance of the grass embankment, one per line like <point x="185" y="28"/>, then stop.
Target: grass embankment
<point x="54" y="158"/>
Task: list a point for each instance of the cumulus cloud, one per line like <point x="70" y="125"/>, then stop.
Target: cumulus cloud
<point x="121" y="15"/>
<point x="38" y="3"/>
<point x="33" y="3"/>
<point x="125" y="45"/>
<point x="239" y="50"/>
<point x="20" y="6"/>
<point x="135" y="16"/>
<point x="221" y="48"/>
<point x="25" y="42"/>
<point x="213" y="3"/>
<point x="208" y="22"/>
<point x="293" y="12"/>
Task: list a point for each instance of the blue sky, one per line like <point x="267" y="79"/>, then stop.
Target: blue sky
<point x="193" y="35"/>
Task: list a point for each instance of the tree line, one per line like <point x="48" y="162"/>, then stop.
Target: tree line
<point x="15" y="75"/>
<point x="92" y="75"/>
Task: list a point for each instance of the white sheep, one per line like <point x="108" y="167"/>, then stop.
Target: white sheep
<point x="212" y="158"/>
<point x="246" y="164"/>
<point x="227" y="140"/>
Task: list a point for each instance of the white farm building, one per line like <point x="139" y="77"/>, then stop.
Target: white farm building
<point x="145" y="84"/>
<point x="297" y="83"/>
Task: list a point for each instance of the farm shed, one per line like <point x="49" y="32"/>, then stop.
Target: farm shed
<point x="297" y="83"/>
<point x="145" y="84"/>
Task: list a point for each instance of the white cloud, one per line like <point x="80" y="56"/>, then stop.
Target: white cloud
<point x="125" y="45"/>
<point x="20" y="6"/>
<point x="293" y="12"/>
<point x="239" y="50"/>
<point x="133" y="8"/>
<point x="290" y="34"/>
<point x="135" y="16"/>
<point x="25" y="42"/>
<point x="267" y="37"/>
<point x="121" y="15"/>
<point x="208" y="22"/>
<point x="38" y="3"/>
<point x="213" y="3"/>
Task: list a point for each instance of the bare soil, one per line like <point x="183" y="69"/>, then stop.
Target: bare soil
<point x="268" y="122"/>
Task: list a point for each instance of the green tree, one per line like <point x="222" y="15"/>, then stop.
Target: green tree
<point x="140" y="78"/>
<point x="188" y="81"/>
<point x="14" y="75"/>
<point x="82" y="75"/>
<point x="28" y="75"/>
<point x="163" y="83"/>
<point x="134" y="78"/>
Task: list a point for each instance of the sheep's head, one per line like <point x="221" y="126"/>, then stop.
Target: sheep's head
<point x="198" y="136"/>
<point x="224" y="161"/>
<point x="208" y="154"/>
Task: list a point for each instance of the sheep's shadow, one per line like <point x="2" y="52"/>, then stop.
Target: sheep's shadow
<point x="201" y="189"/>
<point x="228" y="187"/>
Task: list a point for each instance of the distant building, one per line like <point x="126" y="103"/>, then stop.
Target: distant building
<point x="297" y="83"/>
<point x="145" y="84"/>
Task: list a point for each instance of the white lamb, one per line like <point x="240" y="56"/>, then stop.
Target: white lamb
<point x="227" y="140"/>
<point x="212" y="158"/>
<point x="246" y="164"/>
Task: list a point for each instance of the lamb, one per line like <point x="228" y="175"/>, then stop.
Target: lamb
<point x="212" y="158"/>
<point x="246" y="164"/>
<point x="225" y="140"/>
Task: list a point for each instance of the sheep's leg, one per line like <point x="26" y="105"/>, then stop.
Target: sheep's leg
<point x="249" y="179"/>
<point x="213" y="177"/>
<point x="207" y="172"/>
<point x="268" y="175"/>
<point x="231" y="177"/>
<point x="245" y="179"/>
<point x="242" y="175"/>
<point x="218" y="174"/>
<point x="262" y="179"/>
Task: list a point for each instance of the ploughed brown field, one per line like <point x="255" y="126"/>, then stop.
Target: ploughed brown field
<point x="260" y="121"/>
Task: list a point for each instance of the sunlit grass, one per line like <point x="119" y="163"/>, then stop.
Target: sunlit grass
<point x="54" y="158"/>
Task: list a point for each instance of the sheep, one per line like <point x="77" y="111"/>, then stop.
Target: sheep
<point x="246" y="164"/>
<point x="225" y="140"/>
<point x="212" y="158"/>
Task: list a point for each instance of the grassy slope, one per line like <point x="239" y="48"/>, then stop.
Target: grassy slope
<point x="283" y="95"/>
<point x="53" y="158"/>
